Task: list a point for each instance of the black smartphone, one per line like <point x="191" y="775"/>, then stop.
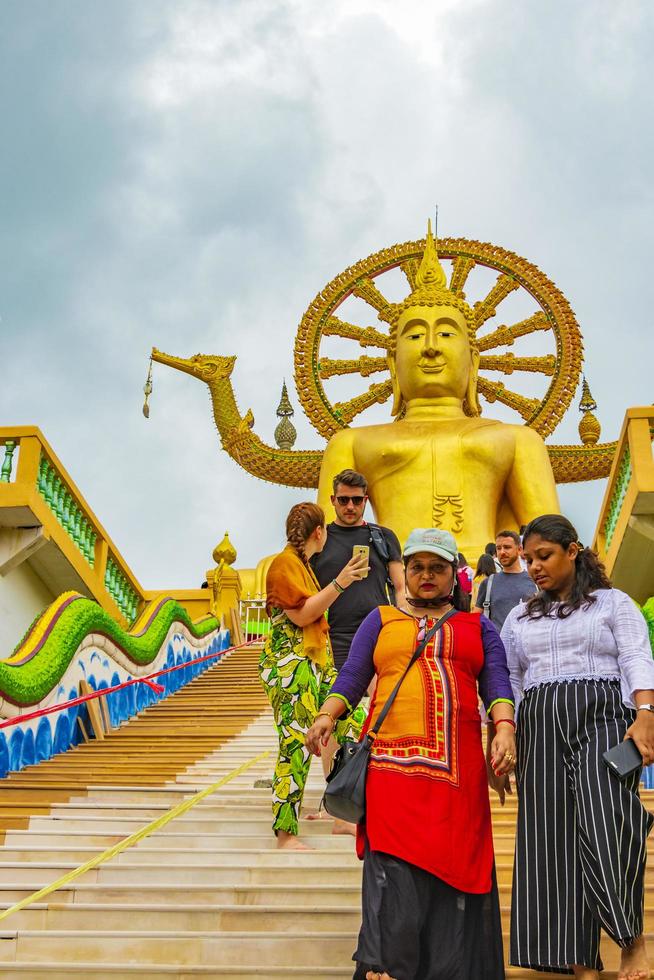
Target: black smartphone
<point x="623" y="759"/>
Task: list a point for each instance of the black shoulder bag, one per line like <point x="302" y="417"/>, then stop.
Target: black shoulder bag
<point x="345" y="793"/>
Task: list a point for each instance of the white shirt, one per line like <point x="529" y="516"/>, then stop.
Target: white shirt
<point x="607" y="641"/>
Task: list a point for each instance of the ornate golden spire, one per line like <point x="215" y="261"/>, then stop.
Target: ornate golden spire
<point x="589" y="427"/>
<point x="430" y="274"/>
<point x="284" y="407"/>
<point x="431" y="288"/>
<point x="225" y="552"/>
<point x="285" y="433"/>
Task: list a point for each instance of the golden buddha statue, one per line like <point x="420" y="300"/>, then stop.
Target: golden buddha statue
<point x="440" y="464"/>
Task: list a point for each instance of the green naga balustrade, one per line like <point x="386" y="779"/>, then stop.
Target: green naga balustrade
<point x="43" y="655"/>
<point x="66" y="509"/>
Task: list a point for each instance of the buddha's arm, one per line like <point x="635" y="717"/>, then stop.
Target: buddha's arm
<point x="531" y="488"/>
<point x="339" y="455"/>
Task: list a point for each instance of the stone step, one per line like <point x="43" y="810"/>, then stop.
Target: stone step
<point x="201" y="840"/>
<point x="196" y="822"/>
<point x="36" y="971"/>
<point x="185" y="948"/>
<point x="153" y="854"/>
<point x="210" y="806"/>
<point x="274" y="949"/>
<point x="130" y="918"/>
<point x="31" y="877"/>
<point x="134" y="891"/>
<point x="63" y="971"/>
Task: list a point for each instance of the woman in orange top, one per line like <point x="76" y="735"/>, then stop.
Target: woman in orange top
<point x="430" y="907"/>
<point x="297" y="667"/>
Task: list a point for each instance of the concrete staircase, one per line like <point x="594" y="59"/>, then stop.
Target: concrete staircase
<point x="208" y="895"/>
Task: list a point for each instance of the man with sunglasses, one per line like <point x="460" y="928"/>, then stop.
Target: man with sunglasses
<point x="386" y="571"/>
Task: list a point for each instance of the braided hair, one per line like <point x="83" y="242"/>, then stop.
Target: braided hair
<point x="302" y="521"/>
<point x="590" y="573"/>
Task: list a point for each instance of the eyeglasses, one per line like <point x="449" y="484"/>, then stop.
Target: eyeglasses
<point x="357" y="501"/>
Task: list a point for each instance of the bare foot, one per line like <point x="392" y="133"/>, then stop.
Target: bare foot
<point x="371" y="975"/>
<point x="585" y="973"/>
<point x="342" y="827"/>
<point x="634" y="964"/>
<point x="289" y="842"/>
<point x="318" y="815"/>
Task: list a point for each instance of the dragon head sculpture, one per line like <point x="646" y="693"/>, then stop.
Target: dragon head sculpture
<point x="205" y="367"/>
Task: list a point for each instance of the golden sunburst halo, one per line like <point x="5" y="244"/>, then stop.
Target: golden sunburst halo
<point x="550" y="313"/>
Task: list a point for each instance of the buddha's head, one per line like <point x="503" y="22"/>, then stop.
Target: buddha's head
<point x="433" y="354"/>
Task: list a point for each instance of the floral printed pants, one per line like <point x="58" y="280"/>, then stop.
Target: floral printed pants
<point x="296" y="688"/>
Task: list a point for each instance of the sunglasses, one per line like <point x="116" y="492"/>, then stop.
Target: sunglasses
<point x="357" y="501"/>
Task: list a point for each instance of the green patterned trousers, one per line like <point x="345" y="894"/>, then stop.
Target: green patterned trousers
<point x="296" y="688"/>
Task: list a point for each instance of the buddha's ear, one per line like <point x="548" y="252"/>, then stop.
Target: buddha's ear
<point x="398" y="401"/>
<point x="471" y="405"/>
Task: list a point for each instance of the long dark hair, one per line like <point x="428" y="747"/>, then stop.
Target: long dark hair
<point x="589" y="571"/>
<point x="485" y="566"/>
<point x="460" y="599"/>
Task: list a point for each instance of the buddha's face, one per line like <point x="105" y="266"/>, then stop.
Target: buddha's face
<point x="432" y="353"/>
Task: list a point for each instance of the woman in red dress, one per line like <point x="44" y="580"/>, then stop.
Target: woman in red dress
<point x="430" y="907"/>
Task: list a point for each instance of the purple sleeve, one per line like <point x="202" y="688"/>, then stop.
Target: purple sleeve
<point x="359" y="669"/>
<point x="494" y="680"/>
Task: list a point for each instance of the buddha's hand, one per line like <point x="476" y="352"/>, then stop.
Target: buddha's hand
<point x="354" y="571"/>
<point x="642" y="733"/>
<point x="319" y="734"/>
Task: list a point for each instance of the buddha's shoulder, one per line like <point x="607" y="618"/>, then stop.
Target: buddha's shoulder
<point x="521" y="435"/>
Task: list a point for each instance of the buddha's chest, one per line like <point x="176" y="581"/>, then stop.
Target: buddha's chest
<point x="448" y="456"/>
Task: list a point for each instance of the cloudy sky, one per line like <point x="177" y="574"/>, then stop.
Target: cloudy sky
<point x="190" y="173"/>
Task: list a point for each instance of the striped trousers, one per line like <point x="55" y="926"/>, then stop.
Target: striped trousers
<point x="581" y="834"/>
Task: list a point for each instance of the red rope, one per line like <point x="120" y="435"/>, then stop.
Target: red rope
<point x="148" y="679"/>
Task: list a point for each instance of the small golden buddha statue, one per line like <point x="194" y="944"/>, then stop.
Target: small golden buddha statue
<point x="439" y="464"/>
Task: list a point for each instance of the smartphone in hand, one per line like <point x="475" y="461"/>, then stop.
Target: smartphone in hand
<point x="362" y="549"/>
<point x="623" y="759"/>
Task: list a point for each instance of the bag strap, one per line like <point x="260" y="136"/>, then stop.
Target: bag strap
<point x="489" y="586"/>
<point x="378" y="541"/>
<point x="372" y="734"/>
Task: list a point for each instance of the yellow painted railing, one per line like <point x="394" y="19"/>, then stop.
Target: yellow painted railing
<point x="624" y="538"/>
<point x="36" y="490"/>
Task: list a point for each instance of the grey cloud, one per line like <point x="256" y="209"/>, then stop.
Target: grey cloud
<point x="191" y="177"/>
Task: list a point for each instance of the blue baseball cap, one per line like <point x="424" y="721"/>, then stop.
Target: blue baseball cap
<point x="433" y="540"/>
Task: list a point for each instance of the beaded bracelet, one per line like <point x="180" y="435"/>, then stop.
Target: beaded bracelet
<point x="508" y="721"/>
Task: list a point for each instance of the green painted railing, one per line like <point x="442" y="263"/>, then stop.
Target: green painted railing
<point x="120" y="590"/>
<point x="32" y="478"/>
<point x="622" y="480"/>
<point x="63" y="505"/>
<point x="8" y="461"/>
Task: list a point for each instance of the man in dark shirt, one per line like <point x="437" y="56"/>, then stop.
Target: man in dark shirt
<point x="346" y="531"/>
<point x="510" y="586"/>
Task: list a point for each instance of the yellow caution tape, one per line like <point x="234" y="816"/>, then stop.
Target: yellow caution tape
<point x="138" y="835"/>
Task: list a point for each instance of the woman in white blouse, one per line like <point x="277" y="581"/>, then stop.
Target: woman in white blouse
<point x="581" y="667"/>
